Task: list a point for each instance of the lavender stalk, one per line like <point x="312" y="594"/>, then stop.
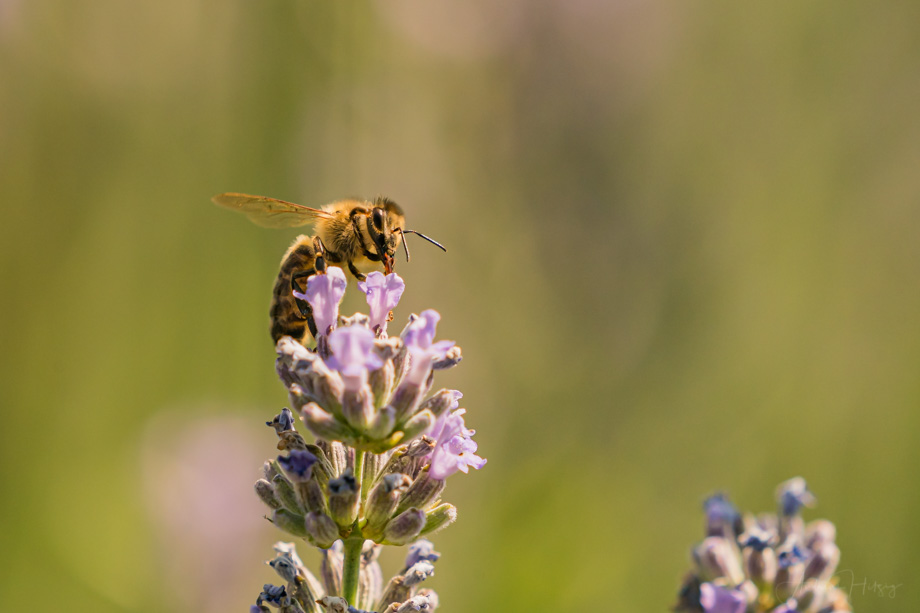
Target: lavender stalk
<point x="764" y="563"/>
<point x="384" y="448"/>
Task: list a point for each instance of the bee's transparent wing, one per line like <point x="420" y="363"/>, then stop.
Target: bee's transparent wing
<point x="270" y="212"/>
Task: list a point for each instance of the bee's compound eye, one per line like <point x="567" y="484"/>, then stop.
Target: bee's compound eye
<point x="379" y="217"/>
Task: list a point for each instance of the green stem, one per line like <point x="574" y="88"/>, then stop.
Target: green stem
<point x="353" y="546"/>
<point x="359" y="475"/>
<point x="351" y="569"/>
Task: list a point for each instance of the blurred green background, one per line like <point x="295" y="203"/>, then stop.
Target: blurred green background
<point x="684" y="256"/>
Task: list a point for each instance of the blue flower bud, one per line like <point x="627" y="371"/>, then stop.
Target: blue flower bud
<point x="343" y="499"/>
<point x="421" y="550"/>
<point x="282" y="422"/>
<point x="298" y="465"/>
<point x="792" y="495"/>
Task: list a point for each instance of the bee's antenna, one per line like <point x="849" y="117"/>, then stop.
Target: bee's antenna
<point x="432" y="241"/>
<point x="405" y="244"/>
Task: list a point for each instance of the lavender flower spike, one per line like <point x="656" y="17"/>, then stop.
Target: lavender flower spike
<point x="383" y="294"/>
<point x="455" y="448"/>
<point x="715" y="599"/>
<point x="324" y="293"/>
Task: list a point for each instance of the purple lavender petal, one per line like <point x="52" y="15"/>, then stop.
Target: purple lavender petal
<point x="383" y="294"/>
<point x="717" y="599"/>
<point x="419" y="340"/>
<point x="420" y="332"/>
<point x="324" y="293"/>
<point x="455" y="449"/>
<point x="353" y="351"/>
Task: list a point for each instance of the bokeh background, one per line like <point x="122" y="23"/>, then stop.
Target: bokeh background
<point x="684" y="256"/>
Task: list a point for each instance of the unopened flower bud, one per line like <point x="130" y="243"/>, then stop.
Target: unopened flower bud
<point x="759" y="557"/>
<point x="791" y="570"/>
<point x="266" y="494"/>
<point x="716" y="558"/>
<point x="406" y="399"/>
<point x="760" y="565"/>
<point x="443" y="400"/>
<point x="298" y="396"/>
<point x="323" y="530"/>
<point x="284" y="489"/>
<point x="422" y="493"/>
<point x="323" y="469"/>
<point x="439" y="518"/>
<point x="417" y="424"/>
<point x="324" y="425"/>
<point x="451" y="358"/>
<point x="381" y="503"/>
<point x="819" y="532"/>
<point x="343" y="499"/>
<point x="404" y="527"/>
<point x="812" y="597"/>
<point x="823" y="562"/>
<point x="382" y="380"/>
<point x="382" y="423"/>
<point x="358" y="407"/>
<point x="289" y="522"/>
<point x="270" y="469"/>
<point x="327" y="386"/>
<point x="311" y="495"/>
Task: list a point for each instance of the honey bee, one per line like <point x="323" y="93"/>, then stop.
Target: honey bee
<point x="351" y="233"/>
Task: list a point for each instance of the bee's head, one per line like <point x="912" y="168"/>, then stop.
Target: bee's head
<point x="386" y="238"/>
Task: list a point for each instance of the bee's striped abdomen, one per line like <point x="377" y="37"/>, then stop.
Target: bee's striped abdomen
<point x="291" y="316"/>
